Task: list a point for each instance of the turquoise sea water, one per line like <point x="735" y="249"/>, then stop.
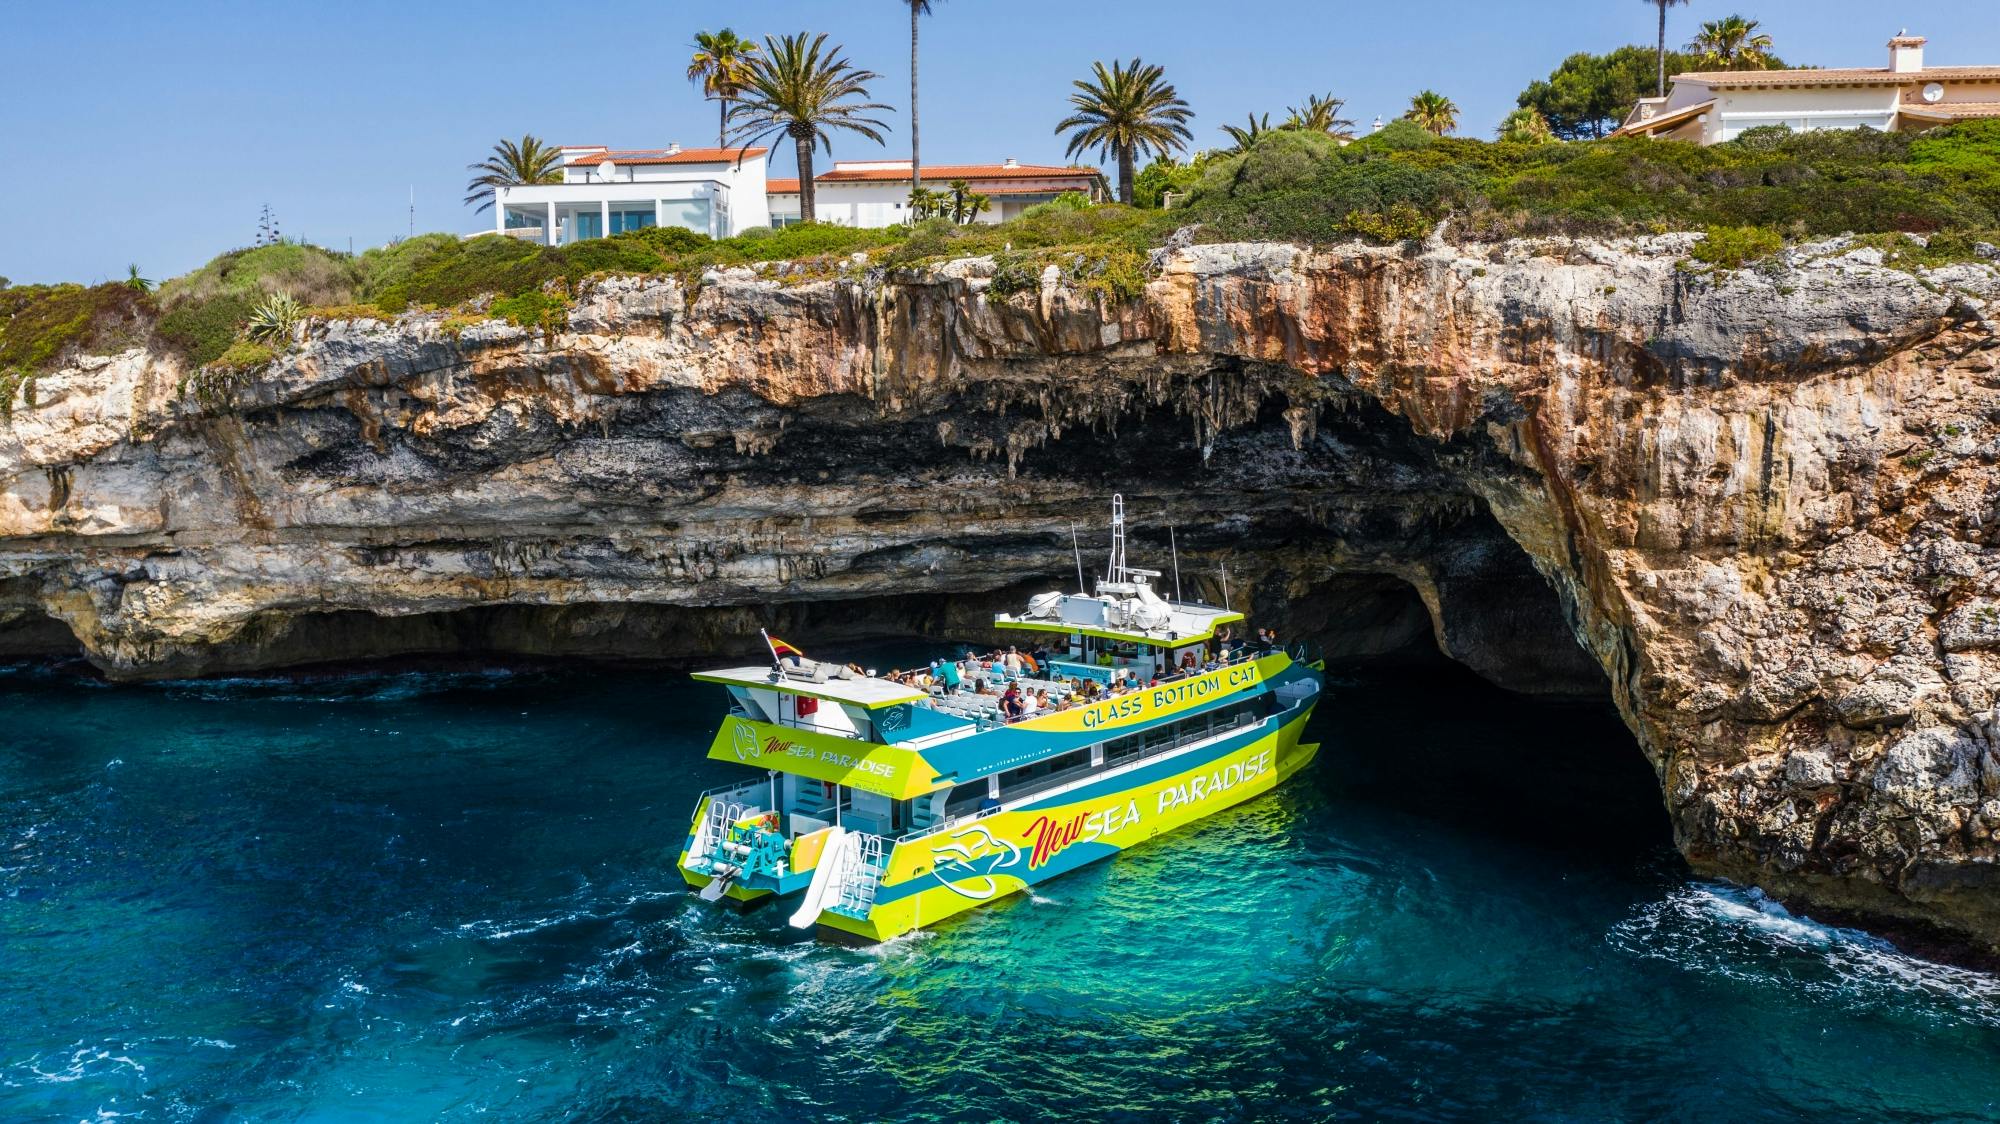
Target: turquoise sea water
<point x="431" y="896"/>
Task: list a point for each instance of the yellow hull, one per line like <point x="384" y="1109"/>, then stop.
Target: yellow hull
<point x="974" y="863"/>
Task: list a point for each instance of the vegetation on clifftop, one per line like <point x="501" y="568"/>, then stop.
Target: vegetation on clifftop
<point x="1750" y="196"/>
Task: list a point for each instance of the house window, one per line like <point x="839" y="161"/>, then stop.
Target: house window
<point x="690" y="213"/>
<point x="630" y="216"/>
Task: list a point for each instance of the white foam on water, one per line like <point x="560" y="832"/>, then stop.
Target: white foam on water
<point x="1738" y="933"/>
<point x="84" y="1061"/>
<point x="363" y="687"/>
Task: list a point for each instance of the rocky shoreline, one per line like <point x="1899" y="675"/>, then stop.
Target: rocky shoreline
<point x="1760" y="508"/>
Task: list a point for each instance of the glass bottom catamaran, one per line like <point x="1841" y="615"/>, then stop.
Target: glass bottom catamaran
<point x="890" y="806"/>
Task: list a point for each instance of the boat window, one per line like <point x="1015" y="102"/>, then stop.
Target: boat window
<point x="965" y="797"/>
<point x="1170" y="735"/>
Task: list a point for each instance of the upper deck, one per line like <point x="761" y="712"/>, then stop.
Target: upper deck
<point x="880" y="736"/>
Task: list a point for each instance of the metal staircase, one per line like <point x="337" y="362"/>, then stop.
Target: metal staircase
<point x="865" y="859"/>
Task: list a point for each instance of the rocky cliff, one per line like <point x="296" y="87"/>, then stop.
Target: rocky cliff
<point x="1760" y="508"/>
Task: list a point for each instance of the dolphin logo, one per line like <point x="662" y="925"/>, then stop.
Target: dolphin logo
<point x="746" y="742"/>
<point x="978" y="853"/>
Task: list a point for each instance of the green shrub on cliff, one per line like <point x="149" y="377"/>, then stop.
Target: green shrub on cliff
<point x="1733" y="247"/>
<point x="1818" y="183"/>
<point x="202" y="329"/>
<point x="43" y="325"/>
<point x="311" y="274"/>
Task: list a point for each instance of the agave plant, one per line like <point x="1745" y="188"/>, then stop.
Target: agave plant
<point x="275" y="318"/>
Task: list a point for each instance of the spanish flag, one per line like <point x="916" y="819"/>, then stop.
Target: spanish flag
<point x="780" y="649"/>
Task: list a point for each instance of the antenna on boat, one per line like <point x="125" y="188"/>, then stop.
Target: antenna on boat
<point x="1175" y="547"/>
<point x="1117" y="538"/>
<point x="1225" y="585"/>
<point x="1082" y="590"/>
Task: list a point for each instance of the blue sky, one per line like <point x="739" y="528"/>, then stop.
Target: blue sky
<point x="152" y="132"/>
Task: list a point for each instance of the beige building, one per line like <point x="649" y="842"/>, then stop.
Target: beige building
<point x="1715" y="106"/>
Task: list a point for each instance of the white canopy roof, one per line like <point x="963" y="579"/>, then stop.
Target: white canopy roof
<point x="866" y="691"/>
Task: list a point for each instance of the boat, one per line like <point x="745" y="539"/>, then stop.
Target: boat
<point x="888" y="804"/>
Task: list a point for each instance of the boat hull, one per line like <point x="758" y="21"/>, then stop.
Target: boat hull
<point x="981" y="861"/>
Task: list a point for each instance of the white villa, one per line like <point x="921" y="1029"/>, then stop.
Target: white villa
<point x="722" y="192"/>
<point x="1715" y="106"/>
<point x="876" y="193"/>
<point x="714" y="191"/>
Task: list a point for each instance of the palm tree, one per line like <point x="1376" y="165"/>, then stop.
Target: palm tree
<point x="133" y="280"/>
<point x="925" y="203"/>
<point x="1242" y="138"/>
<point x="1663" y="5"/>
<point x="801" y="87"/>
<point x="720" y="65"/>
<point x="512" y="165"/>
<point x="1434" y="112"/>
<point x="917" y="8"/>
<point x="1320" y="114"/>
<point x="1123" y="111"/>
<point x="1525" y="126"/>
<point x="965" y="204"/>
<point x="1732" y="43"/>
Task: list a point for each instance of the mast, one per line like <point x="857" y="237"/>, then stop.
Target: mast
<point x="1176" y="548"/>
<point x="1082" y="590"/>
<point x="1117" y="538"/>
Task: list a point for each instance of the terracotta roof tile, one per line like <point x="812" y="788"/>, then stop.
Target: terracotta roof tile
<point x="1954" y="110"/>
<point x="956" y="172"/>
<point x="1865" y="76"/>
<point x="781" y="187"/>
<point x="662" y="156"/>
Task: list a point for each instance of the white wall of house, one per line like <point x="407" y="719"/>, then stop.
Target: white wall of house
<point x="719" y="200"/>
<point x="868" y="204"/>
<point x="1800" y="109"/>
<point x="878" y="203"/>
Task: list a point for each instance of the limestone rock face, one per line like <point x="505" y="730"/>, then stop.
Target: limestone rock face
<point x="1762" y="508"/>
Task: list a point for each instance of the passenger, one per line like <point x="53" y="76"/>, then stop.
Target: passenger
<point x="1190" y="663"/>
<point x="1010" y="703"/>
<point x="1041" y="700"/>
<point x="1012" y="661"/>
<point x="948" y="672"/>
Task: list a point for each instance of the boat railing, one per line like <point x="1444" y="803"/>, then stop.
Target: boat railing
<point x="733" y="789"/>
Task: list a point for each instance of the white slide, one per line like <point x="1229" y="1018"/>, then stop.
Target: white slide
<point x="826" y="876"/>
